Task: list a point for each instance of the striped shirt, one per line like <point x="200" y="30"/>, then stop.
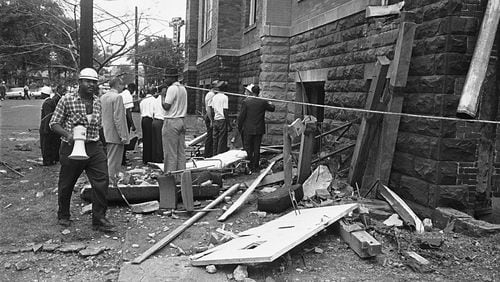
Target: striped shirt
<point x="70" y="112"/>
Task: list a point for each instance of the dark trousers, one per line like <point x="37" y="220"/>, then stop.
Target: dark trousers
<point x="49" y="144"/>
<point x="147" y="139"/>
<point x="209" y="148"/>
<point x="157" y="144"/>
<point x="96" y="168"/>
<point x="124" y="158"/>
<point x="220" y="136"/>
<point x="252" y="147"/>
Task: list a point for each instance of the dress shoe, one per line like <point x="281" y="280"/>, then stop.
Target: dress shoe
<point x="64" y="222"/>
<point x="103" y="225"/>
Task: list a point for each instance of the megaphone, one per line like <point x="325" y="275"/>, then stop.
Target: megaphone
<point x="79" y="135"/>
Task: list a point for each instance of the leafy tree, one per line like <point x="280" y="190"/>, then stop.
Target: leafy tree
<point x="158" y="56"/>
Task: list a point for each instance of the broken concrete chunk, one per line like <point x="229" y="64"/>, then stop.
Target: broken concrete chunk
<point x="92" y="251"/>
<point x="394" y="220"/>
<point x="22" y="265"/>
<point x="72" y="248"/>
<point x="211" y="269"/>
<point x="427" y="224"/>
<point x="87" y="209"/>
<point x="321" y="178"/>
<point x="49" y="247"/>
<point x="240" y="273"/>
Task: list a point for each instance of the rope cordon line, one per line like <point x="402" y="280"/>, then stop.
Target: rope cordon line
<point x="353" y="109"/>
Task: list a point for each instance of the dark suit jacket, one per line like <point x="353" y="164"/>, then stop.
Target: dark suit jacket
<point x="251" y="119"/>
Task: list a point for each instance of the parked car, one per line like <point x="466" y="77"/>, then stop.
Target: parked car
<point x="41" y="93"/>
<point x="16" y="92"/>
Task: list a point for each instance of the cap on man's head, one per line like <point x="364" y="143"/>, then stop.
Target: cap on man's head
<point x="89" y="74"/>
<point x="249" y="87"/>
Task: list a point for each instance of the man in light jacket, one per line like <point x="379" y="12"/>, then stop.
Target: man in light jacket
<point x="114" y="123"/>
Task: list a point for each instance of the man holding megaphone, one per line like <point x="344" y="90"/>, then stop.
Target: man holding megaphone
<point x="78" y="119"/>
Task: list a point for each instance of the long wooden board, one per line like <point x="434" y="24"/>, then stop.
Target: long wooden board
<point x="170" y="237"/>
<point x="241" y="200"/>
<point x="404" y="211"/>
<point x="369" y="125"/>
<point x="267" y="242"/>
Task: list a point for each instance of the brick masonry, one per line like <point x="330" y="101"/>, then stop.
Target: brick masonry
<point x="436" y="162"/>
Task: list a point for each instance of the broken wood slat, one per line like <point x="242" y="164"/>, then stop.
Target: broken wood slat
<point x="272" y="178"/>
<point x="187" y="191"/>
<point x="378" y="11"/>
<point x="390" y="123"/>
<point x="170" y="237"/>
<point x="417" y="258"/>
<point x="267" y="242"/>
<point x="331" y="131"/>
<point x="403" y="210"/>
<point x="368" y="126"/>
<point x="333" y="153"/>
<point x="467" y="107"/>
<point x="306" y="152"/>
<point x="287" y="157"/>
<point x="196" y="140"/>
<point x="360" y="241"/>
<point x="241" y="200"/>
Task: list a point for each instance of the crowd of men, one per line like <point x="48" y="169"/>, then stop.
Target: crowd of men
<point x="108" y="123"/>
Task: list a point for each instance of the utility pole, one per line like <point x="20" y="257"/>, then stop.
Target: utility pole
<point x="86" y="42"/>
<point x="136" y="63"/>
<point x="176" y="24"/>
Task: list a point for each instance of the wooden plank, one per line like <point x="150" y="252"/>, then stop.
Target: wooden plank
<point x="241" y="200"/>
<point x="404" y="211"/>
<point x="468" y="105"/>
<point x="417" y="258"/>
<point x="390" y="123"/>
<point x="368" y="125"/>
<point x="306" y="152"/>
<point x="170" y="237"/>
<point x="378" y="11"/>
<point x="360" y="241"/>
<point x="287" y="157"/>
<point x="267" y="242"/>
<point x="187" y="191"/>
<point x="271" y="179"/>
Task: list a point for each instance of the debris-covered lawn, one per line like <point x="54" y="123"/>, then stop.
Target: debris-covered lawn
<point x="34" y="248"/>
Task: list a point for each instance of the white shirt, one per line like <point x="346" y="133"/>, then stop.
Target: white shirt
<point x="208" y="99"/>
<point x="128" y="100"/>
<point x="158" y="111"/>
<point x="219" y="103"/>
<point x="147" y="105"/>
<point x="176" y="96"/>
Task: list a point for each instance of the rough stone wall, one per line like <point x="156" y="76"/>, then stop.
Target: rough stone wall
<point x="436" y="162"/>
<point x="249" y="65"/>
<point x="229" y="29"/>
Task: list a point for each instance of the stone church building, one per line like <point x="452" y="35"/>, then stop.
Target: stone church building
<point x="325" y="50"/>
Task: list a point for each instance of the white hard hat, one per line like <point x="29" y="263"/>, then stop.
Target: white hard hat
<point x="88" y="73"/>
<point x="46" y="90"/>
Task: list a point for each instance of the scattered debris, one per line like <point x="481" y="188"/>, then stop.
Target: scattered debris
<point x="393" y="220"/>
<point x="3" y="171"/>
<point x="92" y="251"/>
<point x="65" y="231"/>
<point x="240" y="273"/>
<point x="135" y="245"/>
<point x="22" y="265"/>
<point x="23" y="147"/>
<point x="260" y="214"/>
<point x="320" y="179"/>
<point x="427" y="222"/>
<point x="72" y="248"/>
<point x="39" y="194"/>
<point x="7" y="206"/>
<point x="279" y="200"/>
<point x="463" y="223"/>
<point x="181" y="251"/>
<point x="430" y="242"/>
<point x="86" y="209"/>
<point x="318" y="250"/>
<point x="416" y="257"/>
<point x="227" y="233"/>
<point x="211" y="269"/>
<point x="360" y="241"/>
<point x="49" y="247"/>
<point x="404" y="211"/>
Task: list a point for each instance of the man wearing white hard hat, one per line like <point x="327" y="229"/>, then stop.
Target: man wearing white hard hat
<point x="49" y="141"/>
<point x="82" y="108"/>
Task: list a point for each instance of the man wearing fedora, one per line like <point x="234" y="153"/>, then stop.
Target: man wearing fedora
<point x="74" y="109"/>
<point x="251" y="125"/>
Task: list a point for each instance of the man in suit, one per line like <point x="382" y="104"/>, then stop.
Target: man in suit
<point x="251" y="125"/>
<point x="49" y="140"/>
<point x="114" y="123"/>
